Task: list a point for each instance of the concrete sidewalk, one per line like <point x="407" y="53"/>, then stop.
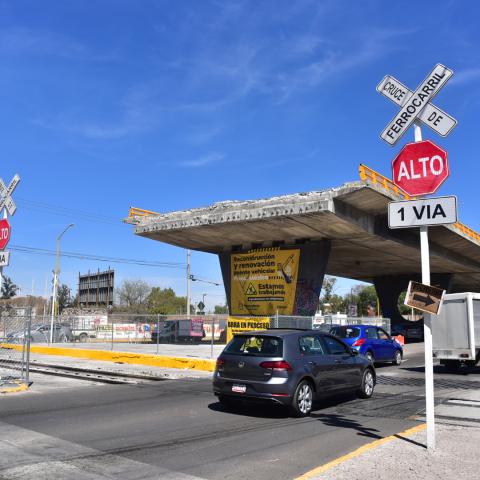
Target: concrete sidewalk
<point x="202" y="350"/>
<point x="455" y="458"/>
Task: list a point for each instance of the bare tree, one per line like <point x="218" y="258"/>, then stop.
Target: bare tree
<point x="133" y="293"/>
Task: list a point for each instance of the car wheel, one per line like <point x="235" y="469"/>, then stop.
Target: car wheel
<point x="369" y="357"/>
<point x="83" y="337"/>
<point x="302" y="400"/>
<point x="368" y="384"/>
<point x="397" y="358"/>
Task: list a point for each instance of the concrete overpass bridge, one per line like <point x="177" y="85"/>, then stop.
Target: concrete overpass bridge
<point x="341" y="231"/>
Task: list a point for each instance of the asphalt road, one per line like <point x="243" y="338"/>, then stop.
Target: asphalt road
<point x="175" y="429"/>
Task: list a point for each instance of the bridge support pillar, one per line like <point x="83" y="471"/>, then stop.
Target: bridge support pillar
<point x="312" y="265"/>
<point x="389" y="289"/>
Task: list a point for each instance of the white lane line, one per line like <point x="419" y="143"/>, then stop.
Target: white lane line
<point x="468" y="403"/>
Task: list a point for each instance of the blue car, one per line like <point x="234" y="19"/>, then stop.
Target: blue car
<point x="372" y="342"/>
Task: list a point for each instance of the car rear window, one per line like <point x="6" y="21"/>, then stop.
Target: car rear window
<point x="345" y="332"/>
<point x="257" y="345"/>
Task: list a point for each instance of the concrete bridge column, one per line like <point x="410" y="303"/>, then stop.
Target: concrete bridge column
<point x="389" y="289"/>
<point x="311" y="270"/>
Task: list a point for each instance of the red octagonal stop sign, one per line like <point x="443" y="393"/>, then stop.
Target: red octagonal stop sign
<point x="420" y="168"/>
<point x="4" y="233"/>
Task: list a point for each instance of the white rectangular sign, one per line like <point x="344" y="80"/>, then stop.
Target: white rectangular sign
<point x="432" y="116"/>
<point x="424" y="212"/>
<point x="416" y="103"/>
<point x="4" y="258"/>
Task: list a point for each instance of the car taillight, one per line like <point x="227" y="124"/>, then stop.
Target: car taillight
<point x="277" y="365"/>
<point x="358" y="342"/>
<point x="220" y="362"/>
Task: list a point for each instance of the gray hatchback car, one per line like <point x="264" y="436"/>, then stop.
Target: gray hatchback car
<point x="290" y="367"/>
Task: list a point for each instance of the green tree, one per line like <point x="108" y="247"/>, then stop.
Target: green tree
<point x="328" y="287"/>
<point x="64" y="297"/>
<point x="220" y="309"/>
<point x="330" y="301"/>
<point x="9" y="289"/>
<point x="367" y="296"/>
<point x="165" y="302"/>
<point x="402" y="308"/>
<point x="337" y="303"/>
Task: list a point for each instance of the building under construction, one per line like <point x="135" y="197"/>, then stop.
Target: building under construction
<point x="96" y="289"/>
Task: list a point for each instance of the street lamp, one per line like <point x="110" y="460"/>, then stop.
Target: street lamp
<point x="55" y="281"/>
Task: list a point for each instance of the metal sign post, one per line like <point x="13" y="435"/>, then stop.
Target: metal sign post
<point x="427" y="330"/>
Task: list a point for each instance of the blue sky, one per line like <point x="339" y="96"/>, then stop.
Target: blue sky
<point x="167" y="105"/>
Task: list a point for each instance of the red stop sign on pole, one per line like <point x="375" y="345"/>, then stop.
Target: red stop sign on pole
<point x="4" y="233"/>
<point x="420" y="168"/>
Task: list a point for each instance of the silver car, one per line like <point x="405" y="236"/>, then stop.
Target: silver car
<point x="41" y="333"/>
<point x="290" y="367"/>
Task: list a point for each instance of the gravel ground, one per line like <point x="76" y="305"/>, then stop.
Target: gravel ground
<point x="456" y="457"/>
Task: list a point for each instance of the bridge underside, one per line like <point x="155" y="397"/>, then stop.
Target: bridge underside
<point x="352" y="218"/>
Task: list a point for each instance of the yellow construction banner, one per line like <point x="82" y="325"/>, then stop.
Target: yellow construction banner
<point x="264" y="281"/>
<point x="245" y="324"/>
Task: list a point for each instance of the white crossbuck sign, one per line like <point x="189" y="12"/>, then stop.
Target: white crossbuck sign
<point x="6" y="200"/>
<point x="416" y="106"/>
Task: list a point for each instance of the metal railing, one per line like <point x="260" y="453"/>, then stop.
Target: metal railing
<point x="369" y="175"/>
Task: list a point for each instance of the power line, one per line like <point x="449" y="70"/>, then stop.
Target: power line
<point x="67" y="212"/>
<point x="99" y="258"/>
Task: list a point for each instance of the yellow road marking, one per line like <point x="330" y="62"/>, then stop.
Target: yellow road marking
<point x="359" y="451"/>
<point x="124" y="357"/>
<point x="21" y="387"/>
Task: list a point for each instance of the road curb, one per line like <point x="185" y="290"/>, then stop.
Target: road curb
<point x="124" y="357"/>
<point x="364" y="448"/>
<point x="21" y="387"/>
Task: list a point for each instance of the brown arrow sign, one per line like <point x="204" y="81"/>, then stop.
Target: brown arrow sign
<point x="424" y="297"/>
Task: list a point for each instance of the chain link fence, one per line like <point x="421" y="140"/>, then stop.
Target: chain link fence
<point x="326" y="322"/>
<point x="146" y="333"/>
<point x="15" y="327"/>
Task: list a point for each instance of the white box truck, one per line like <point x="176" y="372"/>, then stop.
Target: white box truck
<point x="456" y="331"/>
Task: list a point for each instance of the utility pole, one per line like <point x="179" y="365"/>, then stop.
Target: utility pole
<point x="188" y="283"/>
<point x="46" y="299"/>
<point x="55" y="283"/>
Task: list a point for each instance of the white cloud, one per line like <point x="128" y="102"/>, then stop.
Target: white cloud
<point x="203" y="161"/>
<point x="465" y="76"/>
<point x="20" y="41"/>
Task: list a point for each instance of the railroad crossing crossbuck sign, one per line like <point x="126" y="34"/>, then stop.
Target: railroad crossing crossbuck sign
<point x="416" y="106"/>
<point x="6" y="200"/>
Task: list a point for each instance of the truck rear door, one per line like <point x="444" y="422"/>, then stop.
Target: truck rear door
<point x="450" y="329"/>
